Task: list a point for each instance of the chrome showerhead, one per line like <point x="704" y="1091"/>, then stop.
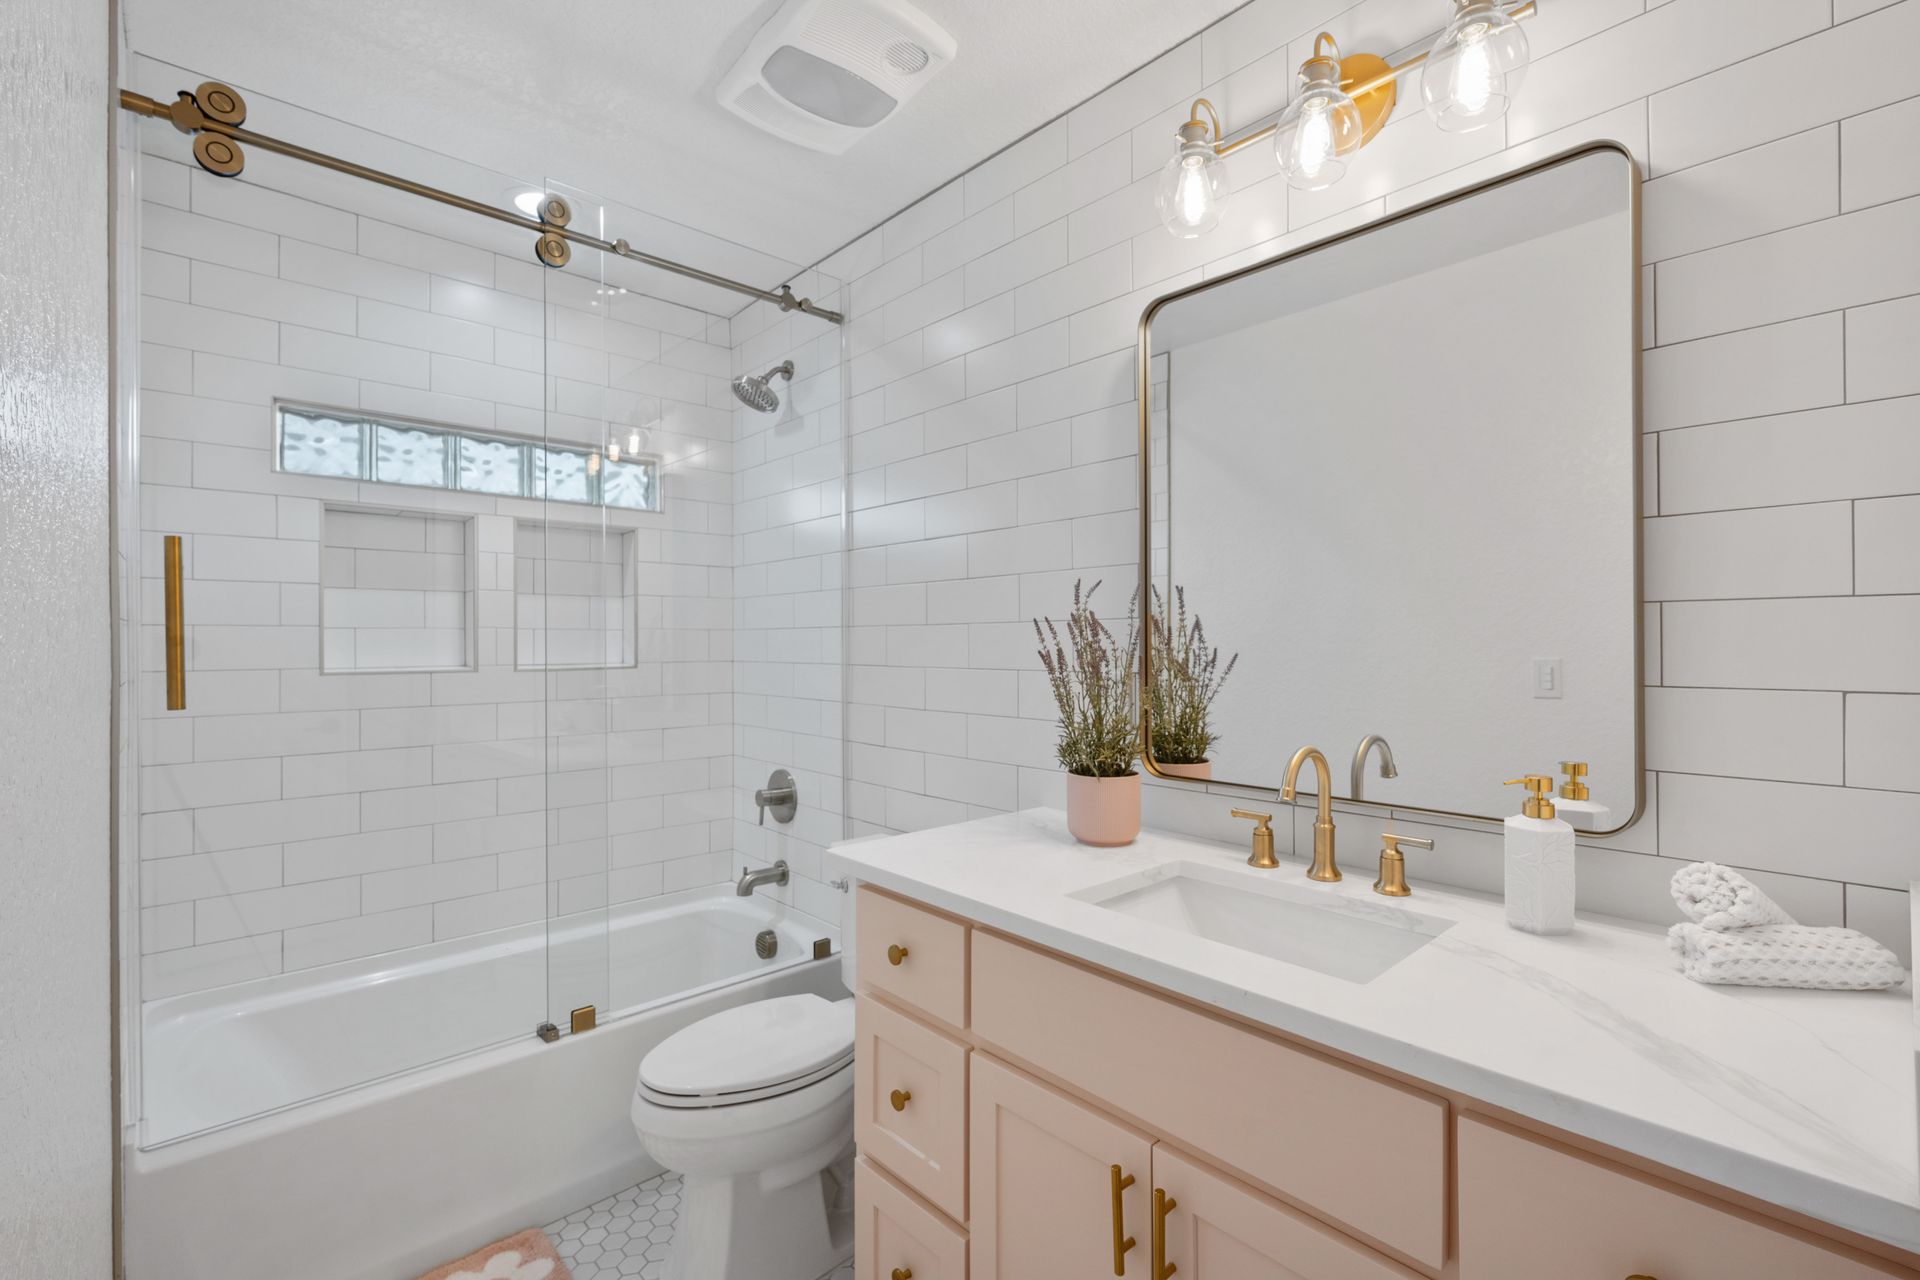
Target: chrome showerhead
<point x="756" y="390"/>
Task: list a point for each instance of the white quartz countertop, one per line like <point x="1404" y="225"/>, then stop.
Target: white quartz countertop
<point x="1801" y="1098"/>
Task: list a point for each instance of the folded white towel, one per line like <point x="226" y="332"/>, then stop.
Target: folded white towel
<point x="1717" y="897"/>
<point x="1785" y="955"/>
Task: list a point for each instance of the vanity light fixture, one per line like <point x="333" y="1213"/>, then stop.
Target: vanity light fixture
<point x="1468" y="79"/>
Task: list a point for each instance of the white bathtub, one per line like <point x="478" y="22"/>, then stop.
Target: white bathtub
<point x="343" y="1179"/>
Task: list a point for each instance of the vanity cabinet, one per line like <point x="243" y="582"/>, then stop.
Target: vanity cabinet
<point x="1531" y="1208"/>
<point x="1021" y="1116"/>
<point x="1058" y="1189"/>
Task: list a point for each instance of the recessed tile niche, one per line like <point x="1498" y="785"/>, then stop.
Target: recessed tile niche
<point x="574" y="597"/>
<point x="396" y="591"/>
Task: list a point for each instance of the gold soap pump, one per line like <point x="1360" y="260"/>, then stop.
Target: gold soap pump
<point x="1539" y="801"/>
<point x="1538" y="851"/>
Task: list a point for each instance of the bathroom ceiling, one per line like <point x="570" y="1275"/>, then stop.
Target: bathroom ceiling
<point x="618" y="97"/>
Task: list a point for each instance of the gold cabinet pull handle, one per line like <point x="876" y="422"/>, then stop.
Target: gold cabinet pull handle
<point x="895" y="954"/>
<point x="900" y="1098"/>
<point x="176" y="627"/>
<point x="1121" y="1240"/>
<point x="903" y="1273"/>
<point x="1163" y="1204"/>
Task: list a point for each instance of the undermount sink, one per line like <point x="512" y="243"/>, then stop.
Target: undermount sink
<point x="1354" y="941"/>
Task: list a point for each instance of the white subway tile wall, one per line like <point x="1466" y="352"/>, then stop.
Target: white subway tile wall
<point x="991" y="430"/>
<point x="504" y="721"/>
<point x="789" y="594"/>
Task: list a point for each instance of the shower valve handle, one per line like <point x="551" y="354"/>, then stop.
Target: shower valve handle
<point x="780" y="795"/>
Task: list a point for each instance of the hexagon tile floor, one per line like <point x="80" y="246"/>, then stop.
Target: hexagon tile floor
<point x="625" y="1236"/>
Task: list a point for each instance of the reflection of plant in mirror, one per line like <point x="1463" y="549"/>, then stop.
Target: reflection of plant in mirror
<point x="1187" y="677"/>
<point x="1093" y="685"/>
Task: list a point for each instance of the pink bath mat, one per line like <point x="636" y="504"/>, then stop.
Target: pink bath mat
<point x="527" y="1256"/>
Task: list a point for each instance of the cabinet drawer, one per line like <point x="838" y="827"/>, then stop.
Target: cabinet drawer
<point x="910" y="1104"/>
<point x="894" y="1236"/>
<point x="1530" y="1209"/>
<point x="1361" y="1149"/>
<point x="913" y="956"/>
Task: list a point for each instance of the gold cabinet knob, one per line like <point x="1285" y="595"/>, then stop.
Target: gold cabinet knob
<point x="903" y="1273"/>
<point x="895" y="954"/>
<point x="900" y="1098"/>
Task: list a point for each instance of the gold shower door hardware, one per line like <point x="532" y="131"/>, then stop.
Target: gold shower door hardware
<point x="585" y="1018"/>
<point x="176" y="628"/>
<point x="214" y="113"/>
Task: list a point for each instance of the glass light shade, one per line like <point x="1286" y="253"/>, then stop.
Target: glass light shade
<point x="1474" y="69"/>
<point x="1318" y="130"/>
<point x="1192" y="191"/>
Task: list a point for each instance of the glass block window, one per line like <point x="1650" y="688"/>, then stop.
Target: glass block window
<point x="425" y="455"/>
<point x="321" y="445"/>
<point x="409" y="455"/>
<point x="629" y="485"/>
<point x="492" y="466"/>
<point x="563" y="475"/>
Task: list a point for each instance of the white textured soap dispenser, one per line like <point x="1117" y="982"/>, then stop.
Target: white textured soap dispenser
<point x="1576" y="803"/>
<point x="1539" y="850"/>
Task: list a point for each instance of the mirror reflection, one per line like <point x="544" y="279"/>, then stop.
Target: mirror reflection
<point x="1428" y="431"/>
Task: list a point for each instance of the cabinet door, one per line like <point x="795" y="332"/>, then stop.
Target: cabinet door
<point x="1214" y="1228"/>
<point x="1042" y="1187"/>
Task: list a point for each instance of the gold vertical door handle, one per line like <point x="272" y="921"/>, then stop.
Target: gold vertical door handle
<point x="900" y="1098"/>
<point x="176" y="628"/>
<point x="1121" y="1240"/>
<point x="1163" y="1204"/>
<point x="895" y="954"/>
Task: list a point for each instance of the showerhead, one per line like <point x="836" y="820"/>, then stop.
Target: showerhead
<point x="756" y="390"/>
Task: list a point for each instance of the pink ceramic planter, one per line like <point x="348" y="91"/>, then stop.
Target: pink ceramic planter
<point x="1103" y="811"/>
<point x="1203" y="771"/>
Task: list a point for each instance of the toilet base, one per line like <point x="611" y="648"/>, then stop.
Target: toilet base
<point x="736" y="1227"/>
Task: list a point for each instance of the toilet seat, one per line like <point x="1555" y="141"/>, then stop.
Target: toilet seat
<point x="764" y="1049"/>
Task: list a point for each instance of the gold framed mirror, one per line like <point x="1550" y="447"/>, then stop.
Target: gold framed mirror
<point x="1398" y="473"/>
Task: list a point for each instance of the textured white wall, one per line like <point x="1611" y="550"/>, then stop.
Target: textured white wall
<point x="56" y="1156"/>
<point x="991" y="429"/>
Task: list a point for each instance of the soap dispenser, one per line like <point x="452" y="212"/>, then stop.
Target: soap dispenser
<point x="1539" y="848"/>
<point x="1576" y="803"/>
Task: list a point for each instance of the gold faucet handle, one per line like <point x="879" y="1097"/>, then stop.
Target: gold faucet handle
<point x="1393" y="864"/>
<point x="1262" y="855"/>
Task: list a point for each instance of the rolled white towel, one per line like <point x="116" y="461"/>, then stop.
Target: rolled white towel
<point x="1785" y="955"/>
<point x="1717" y="897"/>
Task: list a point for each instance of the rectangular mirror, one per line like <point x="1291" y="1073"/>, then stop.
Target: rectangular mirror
<point x="1398" y="474"/>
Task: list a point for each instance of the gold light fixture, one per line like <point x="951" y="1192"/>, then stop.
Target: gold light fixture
<point x="1469" y="78"/>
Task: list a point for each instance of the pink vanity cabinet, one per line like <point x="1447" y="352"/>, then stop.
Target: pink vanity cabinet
<point x="1022" y="1116"/>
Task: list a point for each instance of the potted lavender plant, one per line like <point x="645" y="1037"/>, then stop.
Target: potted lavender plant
<point x="1187" y="677"/>
<point x="1091" y="673"/>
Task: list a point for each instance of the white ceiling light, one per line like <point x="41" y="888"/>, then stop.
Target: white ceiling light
<point x="823" y="72"/>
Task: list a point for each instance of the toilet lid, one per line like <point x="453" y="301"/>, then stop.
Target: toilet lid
<point x="752" y="1048"/>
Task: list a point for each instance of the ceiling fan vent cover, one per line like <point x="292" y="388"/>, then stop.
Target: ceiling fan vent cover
<point x="822" y="73"/>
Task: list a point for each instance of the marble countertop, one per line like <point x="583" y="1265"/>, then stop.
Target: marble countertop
<point x="1804" y="1099"/>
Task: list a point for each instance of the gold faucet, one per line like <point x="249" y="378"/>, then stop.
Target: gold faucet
<point x="1324" y="866"/>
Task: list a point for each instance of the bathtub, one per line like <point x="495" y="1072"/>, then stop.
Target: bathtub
<point x="289" y="1127"/>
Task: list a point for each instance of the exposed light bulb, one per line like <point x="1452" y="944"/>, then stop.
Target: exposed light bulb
<point x="633" y="443"/>
<point x="1316" y="139"/>
<point x="1192" y="191"/>
<point x="1473" y="72"/>
<point x="1474" y="68"/>
<point x="1318" y="130"/>
<point x="613" y="451"/>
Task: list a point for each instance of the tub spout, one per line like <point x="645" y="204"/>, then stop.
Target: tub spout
<point x="751" y="880"/>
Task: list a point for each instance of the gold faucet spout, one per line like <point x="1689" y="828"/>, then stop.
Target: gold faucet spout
<point x="1325" y="867"/>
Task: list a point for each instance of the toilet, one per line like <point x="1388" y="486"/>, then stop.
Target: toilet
<point x="751" y="1106"/>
